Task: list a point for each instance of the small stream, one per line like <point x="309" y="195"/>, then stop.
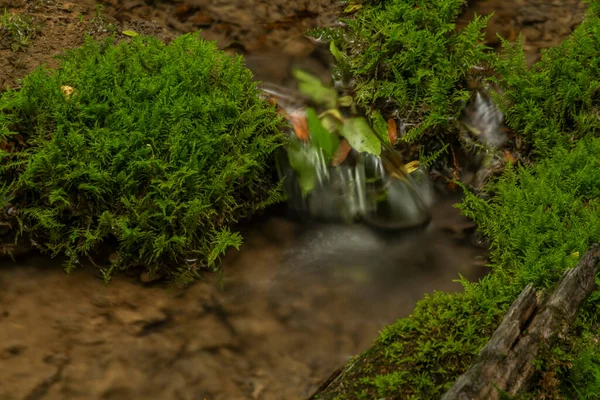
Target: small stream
<point x="294" y="304"/>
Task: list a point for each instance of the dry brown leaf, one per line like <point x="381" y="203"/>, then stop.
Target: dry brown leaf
<point x="341" y="153"/>
<point x="300" y="123"/>
<point x="509" y="157"/>
<point x="392" y="131"/>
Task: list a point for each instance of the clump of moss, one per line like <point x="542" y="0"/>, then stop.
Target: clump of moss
<point x="540" y="219"/>
<point x="17" y="30"/>
<point x="152" y="149"/>
<point x="557" y="101"/>
<point x="406" y="59"/>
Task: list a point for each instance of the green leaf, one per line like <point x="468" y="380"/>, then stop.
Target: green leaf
<point x="335" y="51"/>
<point x="302" y="159"/>
<point x="361" y="137"/>
<point x="130" y="33"/>
<point x="331" y="123"/>
<point x="313" y="88"/>
<point x="321" y="137"/>
<point x="352" y="7"/>
<point x="380" y="126"/>
<point x="345" y="101"/>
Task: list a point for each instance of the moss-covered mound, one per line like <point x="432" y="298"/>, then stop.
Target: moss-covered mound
<point x="152" y="150"/>
<point x="540" y="219"/>
<point x="406" y="58"/>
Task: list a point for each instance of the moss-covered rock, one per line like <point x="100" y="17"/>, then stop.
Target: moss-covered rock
<point x="153" y="150"/>
<point x="540" y="219"/>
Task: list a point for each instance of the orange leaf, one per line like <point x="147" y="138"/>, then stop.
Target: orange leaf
<point x="300" y="123"/>
<point x="392" y="130"/>
<point x="509" y="157"/>
<point x="341" y="152"/>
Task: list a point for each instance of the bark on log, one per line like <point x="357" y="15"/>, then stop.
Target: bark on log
<point x="506" y="362"/>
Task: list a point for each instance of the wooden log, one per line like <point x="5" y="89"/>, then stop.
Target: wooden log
<point x="506" y="362"/>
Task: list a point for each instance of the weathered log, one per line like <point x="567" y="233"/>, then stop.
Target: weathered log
<point x="506" y="362"/>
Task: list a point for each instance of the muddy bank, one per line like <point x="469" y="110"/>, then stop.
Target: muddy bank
<point x="295" y="304"/>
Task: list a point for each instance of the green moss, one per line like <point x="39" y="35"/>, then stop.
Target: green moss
<point x="406" y="57"/>
<point x="556" y="101"/>
<point x="158" y="150"/>
<point x="540" y="219"/>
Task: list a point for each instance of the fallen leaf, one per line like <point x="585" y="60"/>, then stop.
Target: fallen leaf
<point x="130" y="33"/>
<point x="67" y="90"/>
<point x="509" y="157"/>
<point x="361" y="137"/>
<point x="341" y="153"/>
<point x="392" y="130"/>
<point x="352" y="7"/>
<point x="300" y="123"/>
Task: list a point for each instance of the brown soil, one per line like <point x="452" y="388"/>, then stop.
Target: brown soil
<point x="295" y="303"/>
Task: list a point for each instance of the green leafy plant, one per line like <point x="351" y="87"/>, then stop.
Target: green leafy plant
<point x="151" y="150"/>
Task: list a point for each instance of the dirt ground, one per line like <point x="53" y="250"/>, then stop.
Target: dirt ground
<point x="294" y="304"/>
